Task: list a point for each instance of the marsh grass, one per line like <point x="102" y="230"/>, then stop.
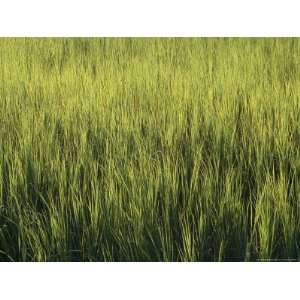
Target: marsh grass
<point x="149" y="149"/>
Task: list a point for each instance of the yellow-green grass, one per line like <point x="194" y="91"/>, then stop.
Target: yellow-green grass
<point x="160" y="149"/>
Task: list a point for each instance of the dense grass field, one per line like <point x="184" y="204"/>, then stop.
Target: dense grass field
<point x="149" y="149"/>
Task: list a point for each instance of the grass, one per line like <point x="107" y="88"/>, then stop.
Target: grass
<point x="162" y="149"/>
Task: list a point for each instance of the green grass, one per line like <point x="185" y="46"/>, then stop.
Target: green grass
<point x="149" y="149"/>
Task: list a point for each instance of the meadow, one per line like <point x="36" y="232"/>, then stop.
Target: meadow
<point x="149" y="149"/>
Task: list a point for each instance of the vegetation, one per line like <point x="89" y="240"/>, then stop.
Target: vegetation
<point x="162" y="149"/>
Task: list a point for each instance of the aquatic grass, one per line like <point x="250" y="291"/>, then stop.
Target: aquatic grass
<point x="149" y="149"/>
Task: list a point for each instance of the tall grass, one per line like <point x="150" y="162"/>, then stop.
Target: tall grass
<point x="149" y="149"/>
